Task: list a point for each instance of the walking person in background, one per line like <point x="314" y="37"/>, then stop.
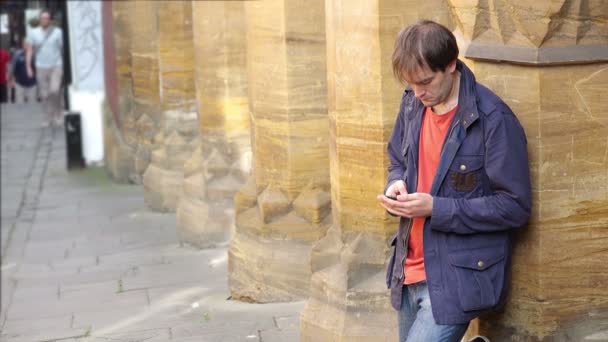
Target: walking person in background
<point x="24" y="85"/>
<point x="46" y="44"/>
<point x="4" y="85"/>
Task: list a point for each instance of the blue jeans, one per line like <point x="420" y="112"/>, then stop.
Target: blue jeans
<point x="416" y="322"/>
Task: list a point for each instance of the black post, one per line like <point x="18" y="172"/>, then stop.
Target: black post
<point x="73" y="139"/>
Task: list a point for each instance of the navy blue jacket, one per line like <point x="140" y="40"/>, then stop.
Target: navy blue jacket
<point x="481" y="192"/>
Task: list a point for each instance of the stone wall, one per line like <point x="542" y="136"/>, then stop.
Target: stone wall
<point x="177" y="132"/>
<point x="549" y="62"/>
<point x="118" y="155"/>
<point x="220" y="164"/>
<point x="284" y="206"/>
<point x="146" y="116"/>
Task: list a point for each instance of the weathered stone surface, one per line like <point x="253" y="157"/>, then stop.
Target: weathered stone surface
<point x="122" y="35"/>
<point x="555" y="289"/>
<point x="269" y="257"/>
<point x="201" y="222"/>
<point x="118" y="123"/>
<point x="118" y="154"/>
<point x="565" y="122"/>
<point x="137" y="118"/>
<point x="221" y="164"/>
<point x="146" y="88"/>
<point x="540" y="32"/>
<point x="349" y="300"/>
<point x="178" y="123"/>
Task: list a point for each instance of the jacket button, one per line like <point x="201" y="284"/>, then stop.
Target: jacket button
<point x="463" y="167"/>
<point x="480" y="264"/>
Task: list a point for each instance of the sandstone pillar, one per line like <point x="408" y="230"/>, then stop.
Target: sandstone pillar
<point x="220" y="165"/>
<point x="118" y="155"/>
<point x="349" y="300"/>
<point x="178" y="124"/>
<point x="145" y="120"/>
<point x="284" y="206"/>
<point x="554" y="75"/>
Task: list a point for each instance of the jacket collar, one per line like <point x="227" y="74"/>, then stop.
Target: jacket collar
<point x="467" y="96"/>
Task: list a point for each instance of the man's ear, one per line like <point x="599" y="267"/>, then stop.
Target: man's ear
<point x="452" y="66"/>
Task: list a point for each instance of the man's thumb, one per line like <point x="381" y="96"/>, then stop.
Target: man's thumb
<point x="401" y="188"/>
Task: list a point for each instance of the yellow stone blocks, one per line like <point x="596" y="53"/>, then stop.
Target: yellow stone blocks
<point x="221" y="163"/>
<point x="284" y="206"/>
<point x="178" y="133"/>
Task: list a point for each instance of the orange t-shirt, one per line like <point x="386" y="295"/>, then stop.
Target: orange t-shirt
<point x="432" y="134"/>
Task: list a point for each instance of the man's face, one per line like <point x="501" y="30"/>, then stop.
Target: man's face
<point x="431" y="87"/>
<point x="45" y="19"/>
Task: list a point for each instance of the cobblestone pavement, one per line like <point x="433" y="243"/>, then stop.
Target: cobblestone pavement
<point x="84" y="260"/>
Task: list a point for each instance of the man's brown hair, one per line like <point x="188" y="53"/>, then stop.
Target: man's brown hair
<point x="423" y="43"/>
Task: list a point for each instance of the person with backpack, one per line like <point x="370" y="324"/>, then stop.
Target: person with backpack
<point x="24" y="85"/>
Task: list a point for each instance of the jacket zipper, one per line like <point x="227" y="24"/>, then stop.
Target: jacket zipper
<point x="406" y="239"/>
<point x="409" y="226"/>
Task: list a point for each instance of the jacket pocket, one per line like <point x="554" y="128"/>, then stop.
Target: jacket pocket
<point x="391" y="262"/>
<point x="464" y="173"/>
<point x="480" y="276"/>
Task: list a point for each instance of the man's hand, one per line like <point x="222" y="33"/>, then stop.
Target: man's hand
<point x="396" y="188"/>
<point x="30" y="72"/>
<point x="408" y="205"/>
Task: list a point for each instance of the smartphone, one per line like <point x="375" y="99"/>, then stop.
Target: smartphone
<point x="391" y="197"/>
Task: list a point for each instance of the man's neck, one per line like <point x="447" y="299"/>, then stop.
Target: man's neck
<point x="452" y="100"/>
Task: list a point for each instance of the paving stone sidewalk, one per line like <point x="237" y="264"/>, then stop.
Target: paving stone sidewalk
<point x="84" y="260"/>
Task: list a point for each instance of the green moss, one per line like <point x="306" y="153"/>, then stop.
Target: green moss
<point x="96" y="176"/>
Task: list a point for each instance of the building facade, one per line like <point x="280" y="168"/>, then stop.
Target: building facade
<point x="264" y="126"/>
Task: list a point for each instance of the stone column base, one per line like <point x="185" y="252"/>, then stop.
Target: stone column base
<point x="141" y="159"/>
<point x="267" y="270"/>
<point x="119" y="156"/>
<point x="353" y="316"/>
<point x="199" y="226"/>
<point x="349" y="300"/>
<point x="200" y="222"/>
<point x="162" y="188"/>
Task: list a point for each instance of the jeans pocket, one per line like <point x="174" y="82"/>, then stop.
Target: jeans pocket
<point x="480" y="276"/>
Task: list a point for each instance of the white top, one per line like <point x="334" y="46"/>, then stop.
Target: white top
<point x="50" y="53"/>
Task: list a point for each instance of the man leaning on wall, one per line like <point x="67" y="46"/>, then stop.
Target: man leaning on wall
<point x="45" y="47"/>
<point x="459" y="179"/>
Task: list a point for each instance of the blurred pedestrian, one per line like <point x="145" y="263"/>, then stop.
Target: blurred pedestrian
<point x="46" y="44"/>
<point x="24" y="85"/>
<point x="4" y="60"/>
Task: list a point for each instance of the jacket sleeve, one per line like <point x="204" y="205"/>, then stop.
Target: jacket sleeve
<point x="506" y="165"/>
<point x="396" y="165"/>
